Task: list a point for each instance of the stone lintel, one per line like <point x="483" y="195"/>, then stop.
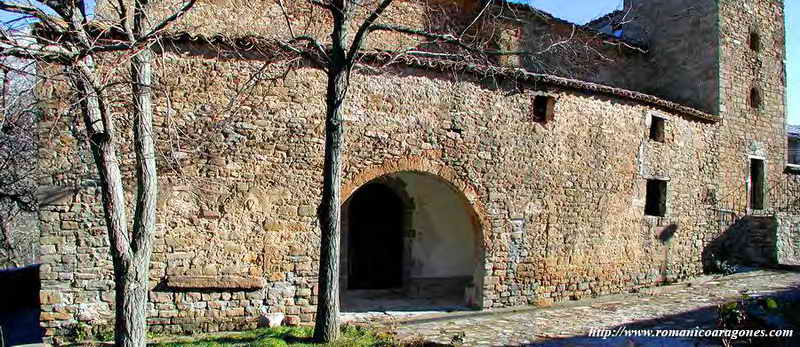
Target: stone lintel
<point x="792" y="169"/>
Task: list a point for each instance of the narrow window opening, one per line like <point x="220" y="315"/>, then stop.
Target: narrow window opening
<point x="757" y="184"/>
<point x="755" y="41"/>
<point x="656" y="204"/>
<point x="657" y="129"/>
<point x="543" y="108"/>
<point x="755" y="98"/>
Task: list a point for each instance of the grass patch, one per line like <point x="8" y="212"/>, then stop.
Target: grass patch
<point x="287" y="336"/>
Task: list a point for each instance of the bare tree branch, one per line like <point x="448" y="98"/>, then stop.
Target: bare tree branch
<point x="358" y="40"/>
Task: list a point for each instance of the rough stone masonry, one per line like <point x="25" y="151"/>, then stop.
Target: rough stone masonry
<point x="504" y="186"/>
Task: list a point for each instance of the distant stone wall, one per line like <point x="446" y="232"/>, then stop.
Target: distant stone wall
<point x="564" y="49"/>
<point x="788" y="239"/>
<point x="682" y="37"/>
<point x="560" y="205"/>
<point x="19" y="223"/>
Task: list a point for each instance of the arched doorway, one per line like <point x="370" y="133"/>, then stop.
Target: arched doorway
<point x="410" y="242"/>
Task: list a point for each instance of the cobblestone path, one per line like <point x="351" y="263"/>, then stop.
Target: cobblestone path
<point x="680" y="306"/>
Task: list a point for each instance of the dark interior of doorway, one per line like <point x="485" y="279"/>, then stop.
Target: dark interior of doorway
<point x="376" y="239"/>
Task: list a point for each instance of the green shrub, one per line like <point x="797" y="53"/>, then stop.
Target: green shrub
<point x="720" y="265"/>
<point x="80" y="332"/>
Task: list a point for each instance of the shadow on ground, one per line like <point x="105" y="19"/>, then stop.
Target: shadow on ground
<point x="704" y="318"/>
<point x="366" y="301"/>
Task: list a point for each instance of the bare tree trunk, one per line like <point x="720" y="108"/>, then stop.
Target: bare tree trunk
<point x="130" y="252"/>
<point x="132" y="306"/>
<point x="326" y="327"/>
<point x="101" y="139"/>
<point x="327" y="320"/>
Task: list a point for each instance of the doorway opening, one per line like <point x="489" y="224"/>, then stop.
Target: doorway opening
<point x="409" y="243"/>
<point x="757" y="184"/>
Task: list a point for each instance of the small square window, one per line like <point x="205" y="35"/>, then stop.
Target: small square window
<point x="656" y="204"/>
<point x="657" y="129"/>
<point x="543" y="108"/>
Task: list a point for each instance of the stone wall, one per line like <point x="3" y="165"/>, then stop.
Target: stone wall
<point x="560" y="205"/>
<point x="564" y="49"/>
<point x="788" y="239"/>
<point x="750" y="240"/>
<point x="268" y="20"/>
<point x="682" y="38"/>
<point x="751" y="131"/>
<point x="761" y="241"/>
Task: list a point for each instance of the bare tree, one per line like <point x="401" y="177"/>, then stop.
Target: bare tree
<point x="66" y="36"/>
<point x="341" y="58"/>
<point x="473" y="39"/>
<point x="18" y="231"/>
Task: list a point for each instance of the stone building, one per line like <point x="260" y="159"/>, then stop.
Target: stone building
<point x="527" y="181"/>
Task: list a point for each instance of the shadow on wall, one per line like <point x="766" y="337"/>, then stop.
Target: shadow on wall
<point x="19" y="306"/>
<point x="749" y="240"/>
<point x="668" y="233"/>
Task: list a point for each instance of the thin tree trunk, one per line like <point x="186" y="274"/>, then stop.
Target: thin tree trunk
<point x="327" y="319"/>
<point x="100" y="129"/>
<point x="130" y="253"/>
<point x="103" y="145"/>
<point x="326" y="327"/>
<point x="132" y="330"/>
<point x="133" y="280"/>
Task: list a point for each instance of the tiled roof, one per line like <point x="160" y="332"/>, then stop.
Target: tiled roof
<point x="608" y="17"/>
<point x="260" y="45"/>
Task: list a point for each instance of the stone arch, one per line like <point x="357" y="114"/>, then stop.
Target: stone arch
<point x="430" y="167"/>
<point x="386" y="174"/>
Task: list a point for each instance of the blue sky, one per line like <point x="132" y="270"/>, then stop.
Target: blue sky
<point x="582" y="11"/>
<point x="576" y="11"/>
<point x="793" y="60"/>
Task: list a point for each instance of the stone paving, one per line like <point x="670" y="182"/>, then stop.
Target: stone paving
<point x="682" y="306"/>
